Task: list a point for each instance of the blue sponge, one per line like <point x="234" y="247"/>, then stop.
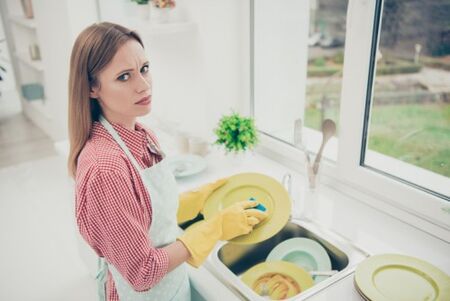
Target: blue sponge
<point x="259" y="207"/>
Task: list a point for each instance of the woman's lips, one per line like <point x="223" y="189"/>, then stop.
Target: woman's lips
<point x="144" y="101"/>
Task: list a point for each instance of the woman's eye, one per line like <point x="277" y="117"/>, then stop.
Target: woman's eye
<point x="144" y="69"/>
<point x="124" y="77"/>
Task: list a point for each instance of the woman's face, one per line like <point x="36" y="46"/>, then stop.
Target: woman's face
<point x="124" y="88"/>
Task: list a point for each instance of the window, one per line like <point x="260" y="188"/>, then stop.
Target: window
<point x="390" y="102"/>
<point x="296" y="81"/>
<point x="408" y="133"/>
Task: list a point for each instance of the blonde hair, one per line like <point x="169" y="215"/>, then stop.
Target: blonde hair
<point x="92" y="51"/>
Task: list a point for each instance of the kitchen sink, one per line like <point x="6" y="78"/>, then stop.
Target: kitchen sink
<point x="229" y="261"/>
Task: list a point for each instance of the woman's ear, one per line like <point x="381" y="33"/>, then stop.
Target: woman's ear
<point x="93" y="92"/>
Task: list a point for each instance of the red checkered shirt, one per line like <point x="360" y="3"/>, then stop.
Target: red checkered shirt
<point x="113" y="207"/>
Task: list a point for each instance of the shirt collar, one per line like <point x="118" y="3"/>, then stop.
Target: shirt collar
<point x="135" y="140"/>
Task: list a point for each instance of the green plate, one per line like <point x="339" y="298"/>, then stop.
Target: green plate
<point x="304" y="252"/>
<point x="266" y="190"/>
<point x="395" y="277"/>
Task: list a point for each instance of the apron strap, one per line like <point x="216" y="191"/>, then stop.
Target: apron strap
<point x="102" y="273"/>
<point x="119" y="141"/>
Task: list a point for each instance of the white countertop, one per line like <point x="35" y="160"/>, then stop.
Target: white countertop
<point x="369" y="229"/>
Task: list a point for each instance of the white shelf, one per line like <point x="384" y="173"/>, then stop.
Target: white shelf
<point x="148" y="28"/>
<point x="34" y="64"/>
<point x="22" y="21"/>
<point x="37" y="103"/>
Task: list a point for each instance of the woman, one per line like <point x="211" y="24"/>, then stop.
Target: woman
<point x="127" y="205"/>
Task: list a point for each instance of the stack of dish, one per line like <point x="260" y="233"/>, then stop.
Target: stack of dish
<point x="288" y="269"/>
<point x="305" y="253"/>
<point x="395" y="277"/>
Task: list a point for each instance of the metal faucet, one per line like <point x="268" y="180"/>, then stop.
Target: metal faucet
<point x="287" y="184"/>
<point x="298" y="143"/>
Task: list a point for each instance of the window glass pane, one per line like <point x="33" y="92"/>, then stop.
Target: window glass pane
<point x="409" y="129"/>
<point x="298" y="56"/>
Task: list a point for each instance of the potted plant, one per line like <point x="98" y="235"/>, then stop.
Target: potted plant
<point x="236" y="134"/>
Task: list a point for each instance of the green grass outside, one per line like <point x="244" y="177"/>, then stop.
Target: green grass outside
<point x="327" y="66"/>
<point x="418" y="134"/>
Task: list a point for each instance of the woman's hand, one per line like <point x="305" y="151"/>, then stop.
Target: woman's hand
<point x="236" y="220"/>
<point x="191" y="202"/>
<point x="240" y="219"/>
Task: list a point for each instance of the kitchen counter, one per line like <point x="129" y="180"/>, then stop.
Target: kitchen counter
<point x="365" y="227"/>
<point x="361" y="225"/>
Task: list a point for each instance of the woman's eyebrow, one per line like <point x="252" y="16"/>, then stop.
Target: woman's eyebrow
<point x="131" y="69"/>
<point x="126" y="70"/>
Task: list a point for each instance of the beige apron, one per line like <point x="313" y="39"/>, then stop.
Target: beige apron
<point x="162" y="187"/>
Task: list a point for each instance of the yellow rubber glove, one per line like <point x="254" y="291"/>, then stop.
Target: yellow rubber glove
<point x="240" y="219"/>
<point x="229" y="223"/>
<point x="191" y="202"/>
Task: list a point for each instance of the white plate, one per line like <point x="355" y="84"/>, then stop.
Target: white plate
<point x="186" y="165"/>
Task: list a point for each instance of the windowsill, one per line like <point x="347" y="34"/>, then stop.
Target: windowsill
<point x="312" y="139"/>
<point x="375" y="197"/>
<point x="408" y="172"/>
<point x="391" y="166"/>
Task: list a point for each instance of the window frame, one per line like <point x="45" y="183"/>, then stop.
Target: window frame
<point x="400" y="199"/>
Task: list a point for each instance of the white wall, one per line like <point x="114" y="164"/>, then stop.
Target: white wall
<point x="199" y="74"/>
<point x="224" y="35"/>
<point x="281" y="54"/>
<point x="9" y="98"/>
<point x="58" y="24"/>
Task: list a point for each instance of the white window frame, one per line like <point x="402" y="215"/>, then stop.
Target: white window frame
<point x="422" y="210"/>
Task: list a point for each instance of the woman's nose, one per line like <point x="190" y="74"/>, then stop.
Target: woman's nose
<point x="144" y="83"/>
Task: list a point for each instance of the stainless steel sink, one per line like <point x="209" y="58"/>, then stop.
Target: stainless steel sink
<point x="228" y="261"/>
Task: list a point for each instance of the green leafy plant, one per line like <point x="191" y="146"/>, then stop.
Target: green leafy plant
<point x="236" y="133"/>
